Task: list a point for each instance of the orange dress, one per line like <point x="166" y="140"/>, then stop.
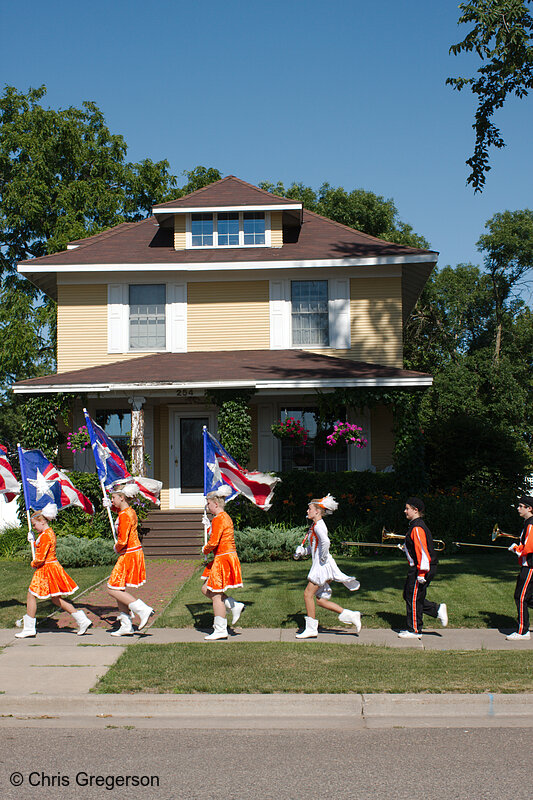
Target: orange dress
<point x="129" y="569"/>
<point x="49" y="579"/>
<point x="224" y="572"/>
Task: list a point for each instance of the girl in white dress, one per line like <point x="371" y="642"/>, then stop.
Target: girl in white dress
<point x="323" y="570"/>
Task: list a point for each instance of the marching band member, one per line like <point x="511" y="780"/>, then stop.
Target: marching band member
<point x="129" y="570"/>
<point x="50" y="581"/>
<point x="323" y="570"/>
<point x="224" y="572"/>
<point x="524" y="583"/>
<point x="418" y="547"/>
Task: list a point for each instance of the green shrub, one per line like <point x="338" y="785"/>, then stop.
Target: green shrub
<point x="73" y="551"/>
<point x="268" y="544"/>
<point x="12" y="541"/>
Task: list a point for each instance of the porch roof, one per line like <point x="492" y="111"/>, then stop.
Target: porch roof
<point x="257" y="369"/>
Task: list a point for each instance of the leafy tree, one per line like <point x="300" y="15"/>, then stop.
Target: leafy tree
<point x="502" y="37"/>
<point x="358" y="209"/>
<point x="508" y="249"/>
<point x="63" y="176"/>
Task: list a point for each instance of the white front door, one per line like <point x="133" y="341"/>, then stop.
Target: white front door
<point x="186" y="451"/>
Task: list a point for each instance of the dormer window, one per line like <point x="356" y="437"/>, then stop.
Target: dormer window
<point x="229" y="229"/>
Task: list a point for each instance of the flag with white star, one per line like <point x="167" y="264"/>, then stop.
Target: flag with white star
<point x="9" y="485"/>
<point x="220" y="469"/>
<point x="47" y="487"/>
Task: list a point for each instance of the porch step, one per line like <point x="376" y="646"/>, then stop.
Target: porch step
<point x="172" y="534"/>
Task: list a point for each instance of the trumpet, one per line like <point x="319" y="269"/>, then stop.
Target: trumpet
<point x="386" y="535"/>
<point x="496" y="533"/>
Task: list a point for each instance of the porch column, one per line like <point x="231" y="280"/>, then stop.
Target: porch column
<point x="137" y="434"/>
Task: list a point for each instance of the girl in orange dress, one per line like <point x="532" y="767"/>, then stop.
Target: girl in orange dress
<point x="224" y="572"/>
<point x="49" y="582"/>
<point x="129" y="570"/>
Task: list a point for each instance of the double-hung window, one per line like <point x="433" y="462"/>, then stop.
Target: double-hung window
<point x="202" y="230"/>
<point x="309" y="313"/>
<point x="147" y="321"/>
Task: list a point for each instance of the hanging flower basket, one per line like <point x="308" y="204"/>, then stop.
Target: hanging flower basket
<point x="346" y="432"/>
<point x="79" y="440"/>
<point x="292" y="431"/>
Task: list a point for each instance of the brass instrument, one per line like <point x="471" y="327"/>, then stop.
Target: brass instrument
<point x="472" y="544"/>
<point x="386" y="535"/>
<point x="496" y="533"/>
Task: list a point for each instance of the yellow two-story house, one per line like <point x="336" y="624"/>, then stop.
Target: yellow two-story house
<point x="229" y="287"/>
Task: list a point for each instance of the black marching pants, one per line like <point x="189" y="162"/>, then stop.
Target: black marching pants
<point x="414" y="594"/>
<point x="523" y="596"/>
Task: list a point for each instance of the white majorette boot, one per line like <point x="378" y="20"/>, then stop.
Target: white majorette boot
<point x="311" y="629"/>
<point x="29" y="627"/>
<point x="235" y="607"/>
<point x="126" y="628"/>
<point x="351" y="618"/>
<point x="143" y="611"/>
<point x="83" y="622"/>
<point x="220" y="629"/>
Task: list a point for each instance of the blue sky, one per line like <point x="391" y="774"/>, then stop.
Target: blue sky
<point x="343" y="91"/>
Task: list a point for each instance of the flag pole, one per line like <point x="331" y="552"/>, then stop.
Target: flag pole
<point x="205" y="520"/>
<point x="92" y="437"/>
<point x="26" y="502"/>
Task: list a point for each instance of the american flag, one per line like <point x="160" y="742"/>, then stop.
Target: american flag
<point x="47" y="488"/>
<point x="111" y="464"/>
<point x="220" y="469"/>
<point x="9" y="485"/>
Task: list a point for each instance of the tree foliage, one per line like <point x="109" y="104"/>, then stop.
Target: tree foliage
<point x="359" y="209"/>
<point x="502" y="38"/>
<point x="63" y="176"/>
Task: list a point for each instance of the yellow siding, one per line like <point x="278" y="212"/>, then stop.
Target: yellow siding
<point x="179" y="232"/>
<point x="82" y="328"/>
<point x="276" y="229"/>
<point x="228" y="316"/>
<point x="382" y="436"/>
<point x="376" y="320"/>
<point x="163" y="460"/>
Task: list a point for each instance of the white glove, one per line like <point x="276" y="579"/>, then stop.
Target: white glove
<point x="31" y="537"/>
<point x="421" y="579"/>
<point x="401" y="547"/>
<point x="513" y="548"/>
<point x="299" y="552"/>
<point x="106" y="502"/>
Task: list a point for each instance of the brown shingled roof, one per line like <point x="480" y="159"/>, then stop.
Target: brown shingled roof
<point x="229" y="191"/>
<point x="251" y="367"/>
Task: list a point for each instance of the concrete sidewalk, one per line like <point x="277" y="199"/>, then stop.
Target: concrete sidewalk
<point x="46" y="681"/>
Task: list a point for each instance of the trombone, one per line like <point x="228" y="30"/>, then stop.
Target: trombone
<point x="496" y="533"/>
<point x="386" y="535"/>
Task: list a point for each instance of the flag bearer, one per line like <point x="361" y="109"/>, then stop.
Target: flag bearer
<point x="49" y="582"/>
<point x="418" y="547"/>
<point x="224" y="572"/>
<point x="129" y="570"/>
<point x="524" y="583"/>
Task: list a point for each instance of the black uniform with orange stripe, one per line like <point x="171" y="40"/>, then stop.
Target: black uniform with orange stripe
<point x="524" y="583"/>
<point x="420" y="552"/>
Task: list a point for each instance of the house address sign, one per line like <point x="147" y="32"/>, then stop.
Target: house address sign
<point x="187" y="392"/>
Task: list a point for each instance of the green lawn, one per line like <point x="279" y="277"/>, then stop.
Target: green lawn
<point x="253" y="667"/>
<point x="478" y="590"/>
<point x="15" y="578"/>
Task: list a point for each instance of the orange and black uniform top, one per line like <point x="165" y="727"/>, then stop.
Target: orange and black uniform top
<point x="524" y="550"/>
<point x="419" y="547"/>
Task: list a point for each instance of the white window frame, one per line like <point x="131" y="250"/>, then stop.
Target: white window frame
<point x="118" y="322"/>
<point x="188" y="231"/>
<point x="338" y="315"/>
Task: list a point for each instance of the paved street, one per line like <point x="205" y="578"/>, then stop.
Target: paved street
<point x="399" y="764"/>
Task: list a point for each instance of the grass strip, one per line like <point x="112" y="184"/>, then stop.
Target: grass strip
<point x="313" y="667"/>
